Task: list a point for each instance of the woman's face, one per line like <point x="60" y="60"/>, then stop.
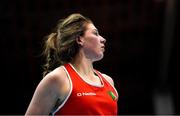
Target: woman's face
<point x="92" y="43"/>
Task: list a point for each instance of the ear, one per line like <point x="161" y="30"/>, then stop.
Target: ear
<point x="80" y="40"/>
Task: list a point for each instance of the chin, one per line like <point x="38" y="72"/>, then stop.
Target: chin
<point x="99" y="57"/>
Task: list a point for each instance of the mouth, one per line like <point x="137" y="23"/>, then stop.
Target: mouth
<point x="103" y="48"/>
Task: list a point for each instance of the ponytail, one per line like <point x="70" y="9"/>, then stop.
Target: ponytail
<point x="50" y="53"/>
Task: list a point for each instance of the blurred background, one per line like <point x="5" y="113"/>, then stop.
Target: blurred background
<point x="141" y="51"/>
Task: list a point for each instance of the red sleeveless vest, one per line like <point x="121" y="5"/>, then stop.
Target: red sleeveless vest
<point x="88" y="99"/>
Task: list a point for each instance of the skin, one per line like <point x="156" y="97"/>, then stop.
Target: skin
<point x="57" y="85"/>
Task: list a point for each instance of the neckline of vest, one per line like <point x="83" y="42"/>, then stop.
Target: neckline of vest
<point x="85" y="80"/>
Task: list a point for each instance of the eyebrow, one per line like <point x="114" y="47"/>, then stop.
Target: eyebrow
<point x="95" y="30"/>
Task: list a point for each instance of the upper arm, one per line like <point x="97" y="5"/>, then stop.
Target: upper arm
<point x="109" y="79"/>
<point x="44" y="97"/>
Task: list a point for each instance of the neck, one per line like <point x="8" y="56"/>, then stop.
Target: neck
<point x="83" y="65"/>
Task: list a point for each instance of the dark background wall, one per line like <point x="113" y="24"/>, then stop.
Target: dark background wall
<point x="137" y="35"/>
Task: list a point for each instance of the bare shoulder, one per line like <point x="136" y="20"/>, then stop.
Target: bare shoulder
<point x="56" y="74"/>
<point x="108" y="78"/>
<point x="54" y="83"/>
<point x="57" y="77"/>
<point x="50" y="88"/>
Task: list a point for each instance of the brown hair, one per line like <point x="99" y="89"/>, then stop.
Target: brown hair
<point x="60" y="46"/>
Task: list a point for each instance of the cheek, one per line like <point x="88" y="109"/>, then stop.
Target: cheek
<point x="91" y="46"/>
<point x="93" y="41"/>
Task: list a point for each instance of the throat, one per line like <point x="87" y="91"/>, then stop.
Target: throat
<point x="95" y="80"/>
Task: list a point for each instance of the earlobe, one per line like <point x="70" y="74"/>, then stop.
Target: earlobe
<point x="79" y="40"/>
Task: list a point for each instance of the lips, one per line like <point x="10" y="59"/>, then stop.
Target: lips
<point x="103" y="48"/>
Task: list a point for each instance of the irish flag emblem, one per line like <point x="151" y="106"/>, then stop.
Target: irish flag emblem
<point x="113" y="96"/>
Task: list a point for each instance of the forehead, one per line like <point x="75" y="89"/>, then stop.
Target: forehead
<point x="90" y="26"/>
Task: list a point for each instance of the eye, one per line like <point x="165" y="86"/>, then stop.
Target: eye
<point x="96" y="33"/>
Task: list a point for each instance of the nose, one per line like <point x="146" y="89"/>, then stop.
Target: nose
<point x="103" y="40"/>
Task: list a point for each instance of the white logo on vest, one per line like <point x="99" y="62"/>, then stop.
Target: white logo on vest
<point x="86" y="94"/>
